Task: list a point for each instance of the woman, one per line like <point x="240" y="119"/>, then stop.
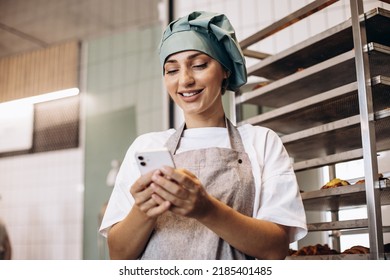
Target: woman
<point x="234" y="194"/>
<point x="5" y="244"/>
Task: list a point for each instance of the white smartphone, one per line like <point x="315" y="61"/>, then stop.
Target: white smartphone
<point x="149" y="160"/>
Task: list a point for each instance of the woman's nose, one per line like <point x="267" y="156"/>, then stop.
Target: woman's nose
<point x="186" y="78"/>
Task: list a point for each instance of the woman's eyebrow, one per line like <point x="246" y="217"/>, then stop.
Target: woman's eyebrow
<point x="192" y="56"/>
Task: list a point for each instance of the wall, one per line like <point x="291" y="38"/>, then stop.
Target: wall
<point x="42" y="204"/>
<point x="107" y="138"/>
<point x="123" y="99"/>
<point x="51" y="201"/>
<point x="41" y="185"/>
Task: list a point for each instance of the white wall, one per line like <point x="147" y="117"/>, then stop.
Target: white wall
<point x="42" y="195"/>
<point x="42" y="204"/>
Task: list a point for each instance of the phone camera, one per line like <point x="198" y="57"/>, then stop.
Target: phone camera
<point x="140" y="157"/>
<point x="143" y="163"/>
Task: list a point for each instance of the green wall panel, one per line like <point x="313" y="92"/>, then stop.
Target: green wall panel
<point x="108" y="136"/>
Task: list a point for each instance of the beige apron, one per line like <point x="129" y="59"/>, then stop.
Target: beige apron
<point x="227" y="175"/>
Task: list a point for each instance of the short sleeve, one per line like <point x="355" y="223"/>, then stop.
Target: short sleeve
<point x="278" y="196"/>
<point x="121" y="201"/>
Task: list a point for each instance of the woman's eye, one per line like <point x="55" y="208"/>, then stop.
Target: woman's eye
<point x="170" y="71"/>
<point x="200" y="66"/>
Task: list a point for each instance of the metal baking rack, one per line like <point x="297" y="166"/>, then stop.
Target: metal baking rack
<point x="328" y="98"/>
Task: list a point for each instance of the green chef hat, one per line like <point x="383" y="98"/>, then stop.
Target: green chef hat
<point x="210" y="33"/>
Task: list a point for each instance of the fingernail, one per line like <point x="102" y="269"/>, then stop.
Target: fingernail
<point x="155" y="175"/>
<point x="164" y="169"/>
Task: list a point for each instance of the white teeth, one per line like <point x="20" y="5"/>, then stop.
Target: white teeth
<point x="188" y="94"/>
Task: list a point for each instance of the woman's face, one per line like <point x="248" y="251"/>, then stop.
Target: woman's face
<point x="193" y="80"/>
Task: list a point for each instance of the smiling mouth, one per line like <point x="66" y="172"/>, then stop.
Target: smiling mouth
<point x="189" y="94"/>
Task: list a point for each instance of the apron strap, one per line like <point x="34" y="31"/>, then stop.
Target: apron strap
<point x="174" y="140"/>
<point x="234" y="137"/>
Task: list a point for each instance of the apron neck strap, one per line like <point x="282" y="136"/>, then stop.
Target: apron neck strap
<point x="234" y="136"/>
<point x="174" y="139"/>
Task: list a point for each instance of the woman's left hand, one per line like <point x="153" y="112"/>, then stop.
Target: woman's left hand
<point x="183" y="190"/>
<point x="187" y="197"/>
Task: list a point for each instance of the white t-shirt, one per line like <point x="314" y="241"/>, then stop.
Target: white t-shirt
<point x="277" y="193"/>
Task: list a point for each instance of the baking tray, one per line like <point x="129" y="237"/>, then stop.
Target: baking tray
<point x="329" y="106"/>
<point x="341" y="198"/>
<point x="322" y="77"/>
<point x="323" y="46"/>
<point x="336" y="137"/>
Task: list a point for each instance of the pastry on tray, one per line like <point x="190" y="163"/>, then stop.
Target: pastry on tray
<point x="357" y="250"/>
<point x="362" y="181"/>
<point x="336" y="182"/>
<point x="313" y="250"/>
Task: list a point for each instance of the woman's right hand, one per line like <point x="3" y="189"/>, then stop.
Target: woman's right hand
<point x="146" y="199"/>
<point x="127" y="238"/>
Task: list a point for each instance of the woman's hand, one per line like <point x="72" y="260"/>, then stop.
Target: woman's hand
<point x="128" y="238"/>
<point x="187" y="197"/>
<point x="182" y="189"/>
<point x="145" y="199"/>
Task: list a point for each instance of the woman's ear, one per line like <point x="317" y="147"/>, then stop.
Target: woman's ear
<point x="225" y="81"/>
<point x="226" y="74"/>
<point x="224" y="86"/>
